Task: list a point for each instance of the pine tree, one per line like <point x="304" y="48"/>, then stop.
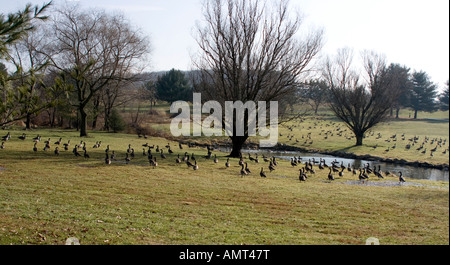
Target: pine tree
<point x="443" y="99"/>
<point x="423" y="93"/>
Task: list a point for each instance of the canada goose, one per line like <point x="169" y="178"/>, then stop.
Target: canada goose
<point x="178" y="160"/>
<point x="35" y="147"/>
<point x="37" y="138"/>
<point x="262" y="174"/>
<point x="6" y="137"/>
<point x="132" y="153"/>
<point x="378" y="173"/>
<point x="361" y="177"/>
<point x="341" y="173"/>
<point x="144" y="153"/>
<point x="186" y="157"/>
<point x="75" y="151"/>
<point x="157" y="149"/>
<point x="96" y="145"/>
<point x="275" y="163"/>
<point x="180" y="146"/>
<point x="168" y="145"/>
<point x="400" y="177"/>
<point x="129" y="148"/>
<point x="170" y="151"/>
<point x="227" y="164"/>
<point x="271" y="166"/>
<point x="195" y="167"/>
<point x="216" y="160"/>
<point x="107" y="160"/>
<point x="145" y="145"/>
<point x="86" y="155"/>
<point x="23" y="137"/>
<point x="2" y="146"/>
<point x="113" y="155"/>
<point x="47" y="146"/>
<point x="365" y="175"/>
<point x="56" y="151"/>
<point x="247" y="169"/>
<point x="243" y="172"/>
<point x="330" y="176"/>
<point x="127" y="158"/>
<point x="302" y="176"/>
<point x="163" y="156"/>
<point x="192" y="156"/>
<point x="59" y="141"/>
<point x="293" y="163"/>
<point x="188" y="163"/>
<point x="153" y="162"/>
<point x="66" y="145"/>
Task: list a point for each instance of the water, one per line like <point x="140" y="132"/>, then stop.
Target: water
<point x="408" y="171"/>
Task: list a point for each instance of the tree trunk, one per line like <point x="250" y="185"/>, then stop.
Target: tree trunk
<point x="237" y="143"/>
<point x="415" y="114"/>
<point x="359" y="138"/>
<point x="28" y="122"/>
<point x="83" y="122"/>
<point x="397" y="111"/>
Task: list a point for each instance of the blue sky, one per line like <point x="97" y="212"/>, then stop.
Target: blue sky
<point x="410" y="32"/>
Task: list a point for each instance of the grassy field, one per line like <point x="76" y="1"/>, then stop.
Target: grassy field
<point x="45" y="199"/>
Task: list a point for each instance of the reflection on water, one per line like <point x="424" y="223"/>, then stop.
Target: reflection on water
<point x="408" y="171"/>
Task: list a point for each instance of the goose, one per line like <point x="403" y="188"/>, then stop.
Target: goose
<point x="189" y="163"/>
<point x="86" y="155"/>
<point x="243" y="172"/>
<point x="178" y="160"/>
<point x="153" y="162"/>
<point x="341" y="173"/>
<point x="216" y="160"/>
<point x="361" y="177"/>
<point x="75" y="151"/>
<point x="35" y="147"/>
<point x="365" y="175"/>
<point x="302" y="176"/>
<point x="227" y="164"/>
<point x="132" y="153"/>
<point x="170" y="151"/>
<point x="66" y="145"/>
<point x="192" y="156"/>
<point x="163" y="156"/>
<point x="113" y="155"/>
<point x="247" y="169"/>
<point x="95" y="145"/>
<point x="180" y="146"/>
<point x="47" y="146"/>
<point x="107" y="160"/>
<point x="23" y="137"/>
<point x="330" y="176"/>
<point x="378" y="173"/>
<point x="275" y="163"/>
<point x="56" y="151"/>
<point x="400" y="177"/>
<point x="59" y="141"/>
<point x="144" y="153"/>
<point x="195" y="167"/>
<point x="6" y="137"/>
<point x="2" y="146"/>
<point x="271" y="166"/>
<point x="127" y="158"/>
<point x="37" y="138"/>
<point x="107" y="149"/>
<point x="262" y="174"/>
<point x="157" y="149"/>
<point x="129" y="148"/>
<point x="145" y="145"/>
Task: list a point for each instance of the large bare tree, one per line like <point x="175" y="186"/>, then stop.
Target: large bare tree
<point x="250" y="51"/>
<point x="361" y="103"/>
<point x="94" y="50"/>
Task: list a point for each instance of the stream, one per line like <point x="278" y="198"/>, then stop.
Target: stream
<point x="408" y="171"/>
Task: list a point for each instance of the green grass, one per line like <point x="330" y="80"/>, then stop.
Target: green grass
<point x="45" y="199"/>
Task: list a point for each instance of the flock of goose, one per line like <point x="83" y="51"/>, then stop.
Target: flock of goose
<point x="306" y="171"/>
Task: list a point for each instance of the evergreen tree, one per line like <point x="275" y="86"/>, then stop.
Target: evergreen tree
<point x="443" y="99"/>
<point x="173" y="86"/>
<point x="423" y="93"/>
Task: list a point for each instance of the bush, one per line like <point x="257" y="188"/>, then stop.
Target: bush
<point x="116" y="121"/>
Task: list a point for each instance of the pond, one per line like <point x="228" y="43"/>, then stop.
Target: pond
<point x="408" y="171"/>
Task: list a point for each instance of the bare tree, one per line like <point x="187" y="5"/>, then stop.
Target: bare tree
<point x="360" y="104"/>
<point x="94" y="49"/>
<point x="249" y="52"/>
